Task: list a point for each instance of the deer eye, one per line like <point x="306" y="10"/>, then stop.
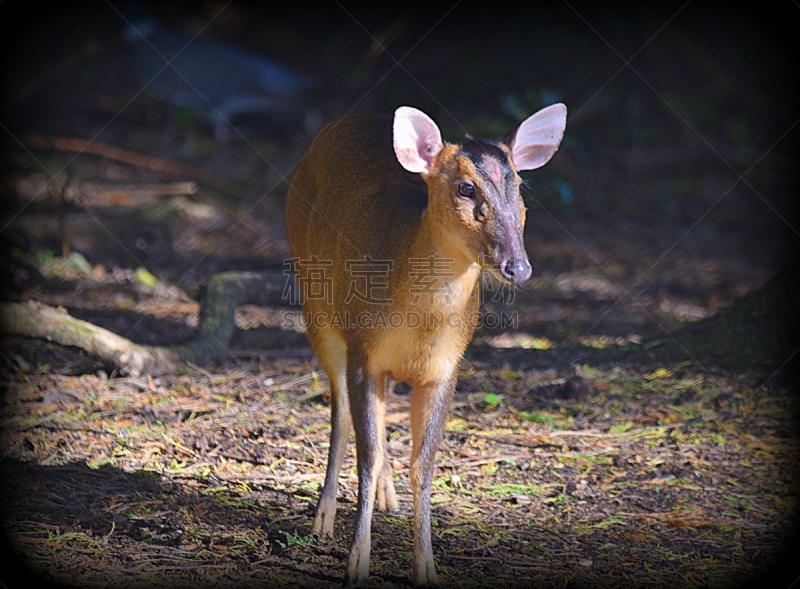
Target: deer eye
<point x="466" y="190"/>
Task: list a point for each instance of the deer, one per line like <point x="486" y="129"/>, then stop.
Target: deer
<point x="378" y="202"/>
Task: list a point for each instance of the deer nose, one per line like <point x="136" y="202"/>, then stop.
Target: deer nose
<point x="517" y="270"/>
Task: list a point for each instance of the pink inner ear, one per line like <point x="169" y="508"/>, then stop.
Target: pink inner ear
<point x="416" y="140"/>
<point x="538" y="137"/>
<point x="426" y="149"/>
<point x="530" y="157"/>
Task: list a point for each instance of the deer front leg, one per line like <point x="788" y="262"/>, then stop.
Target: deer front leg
<point x="367" y="407"/>
<point x="430" y="406"/>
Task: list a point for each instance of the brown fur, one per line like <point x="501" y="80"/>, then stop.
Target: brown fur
<point x="350" y="198"/>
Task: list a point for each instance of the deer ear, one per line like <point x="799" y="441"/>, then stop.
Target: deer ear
<point x="538" y="137"/>
<point x="417" y="139"/>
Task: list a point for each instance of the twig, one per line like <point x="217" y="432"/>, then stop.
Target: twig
<point x="256" y="478"/>
<point x="113" y="527"/>
<point x="471" y="557"/>
<point x="503" y="440"/>
<point x="38" y="186"/>
<point x="293" y="383"/>
<point x="60" y="427"/>
<point x="466" y="463"/>
<point x="202" y="371"/>
<point x="596" y="434"/>
<point x="117" y="153"/>
<point x="240" y="458"/>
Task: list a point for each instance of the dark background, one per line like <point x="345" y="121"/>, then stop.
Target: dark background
<point x="650" y="161"/>
<point x="677" y="177"/>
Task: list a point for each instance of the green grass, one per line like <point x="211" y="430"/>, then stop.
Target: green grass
<point x="513" y="489"/>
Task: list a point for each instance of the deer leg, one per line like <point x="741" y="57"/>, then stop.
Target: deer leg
<point x="367" y="407"/>
<point x="430" y="406"/>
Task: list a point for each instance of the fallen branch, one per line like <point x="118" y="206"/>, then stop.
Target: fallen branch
<point x="34" y="319"/>
<point x="119" y="154"/>
<point x="38" y="186"/>
<point x="224" y="293"/>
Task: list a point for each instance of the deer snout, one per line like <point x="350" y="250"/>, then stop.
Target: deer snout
<point x="516" y="270"/>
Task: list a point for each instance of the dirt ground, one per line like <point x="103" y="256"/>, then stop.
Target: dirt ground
<point x="620" y="476"/>
<point x="573" y="456"/>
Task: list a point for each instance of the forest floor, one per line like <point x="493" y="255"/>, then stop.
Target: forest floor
<point x="595" y="476"/>
<point x="573" y="456"/>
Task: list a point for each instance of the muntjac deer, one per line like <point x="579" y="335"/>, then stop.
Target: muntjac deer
<point x="390" y="228"/>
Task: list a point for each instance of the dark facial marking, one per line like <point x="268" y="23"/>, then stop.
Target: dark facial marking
<point x="481" y="151"/>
